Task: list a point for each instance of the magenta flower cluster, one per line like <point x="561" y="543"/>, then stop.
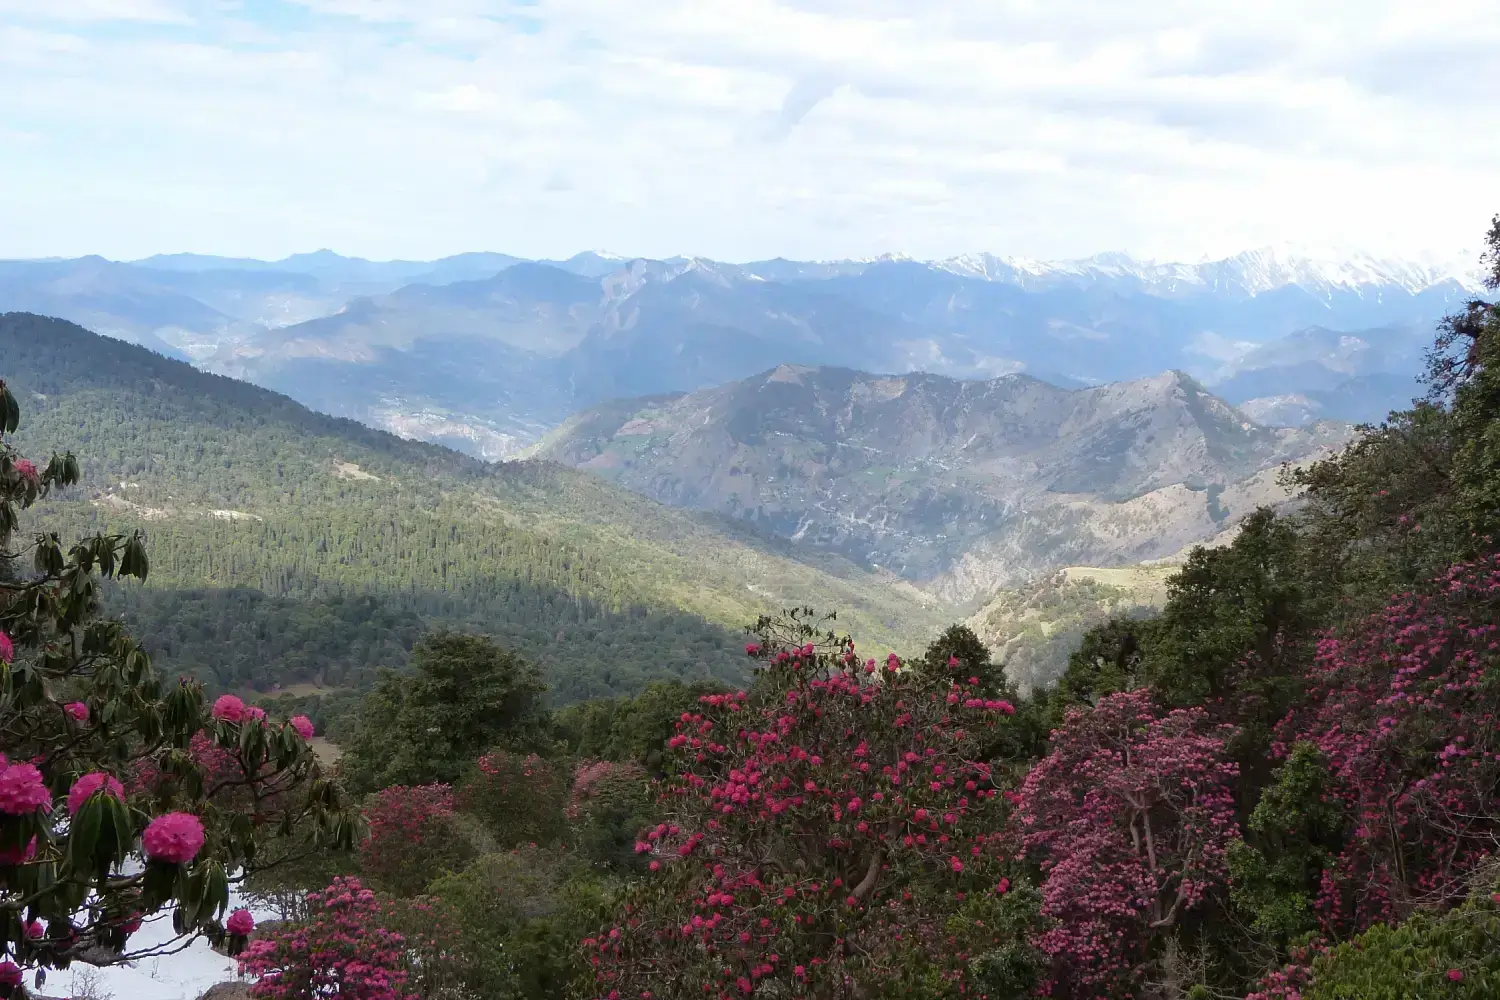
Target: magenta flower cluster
<point x="85" y="787"/>
<point x="340" y="950"/>
<point x="174" y="838"/>
<point x="1131" y="817"/>
<point x="22" y="789"/>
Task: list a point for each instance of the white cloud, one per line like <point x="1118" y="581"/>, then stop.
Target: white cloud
<point x="160" y="11"/>
<point x="1170" y="128"/>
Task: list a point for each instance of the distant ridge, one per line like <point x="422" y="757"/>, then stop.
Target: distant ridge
<point x="485" y="351"/>
<point x="961" y="486"/>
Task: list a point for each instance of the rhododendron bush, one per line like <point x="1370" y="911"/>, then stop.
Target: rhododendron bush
<point x="518" y="797"/>
<point x="1406" y="714"/>
<point x="606" y="807"/>
<point x="103" y="764"/>
<point x="343" y="949"/>
<point x="1130" y="818"/>
<point x="414" y="836"/>
<point x="820" y="833"/>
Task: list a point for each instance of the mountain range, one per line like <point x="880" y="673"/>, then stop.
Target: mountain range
<point x="485" y="352"/>
<point x="961" y="486"/>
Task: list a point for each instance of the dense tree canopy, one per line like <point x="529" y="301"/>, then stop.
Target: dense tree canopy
<point x="464" y="696"/>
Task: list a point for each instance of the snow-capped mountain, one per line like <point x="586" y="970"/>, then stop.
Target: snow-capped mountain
<point x="1245" y="274"/>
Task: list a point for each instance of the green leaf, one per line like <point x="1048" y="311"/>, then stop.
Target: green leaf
<point x="134" y="561"/>
<point x="83" y="835"/>
<point x="10" y="410"/>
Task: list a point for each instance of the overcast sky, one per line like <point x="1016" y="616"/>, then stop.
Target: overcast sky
<point x="741" y="129"/>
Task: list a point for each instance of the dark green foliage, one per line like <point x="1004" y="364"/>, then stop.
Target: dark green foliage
<point x="238" y="639"/>
<point x="1106" y="661"/>
<point x="606" y="828"/>
<point x="1007" y="965"/>
<point x="466" y="695"/>
<point x="960" y="643"/>
<point x="1381" y="515"/>
<point x="1293" y="833"/>
<point x="1466" y="364"/>
<point x="518" y="799"/>
<point x="241" y="638"/>
<point x="1431" y="956"/>
<point x="1230" y="636"/>
<point x="633" y="730"/>
<point x="518" y="919"/>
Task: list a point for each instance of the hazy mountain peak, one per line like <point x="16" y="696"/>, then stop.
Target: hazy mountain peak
<point x="922" y="474"/>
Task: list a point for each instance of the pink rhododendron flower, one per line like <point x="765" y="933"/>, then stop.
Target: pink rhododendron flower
<point x="175" y="838"/>
<point x="228" y="708"/>
<point x="10" y="974"/>
<point x="22" y="791"/>
<point x="304" y="726"/>
<point x="18" y="855"/>
<point x="27" y="468"/>
<point x="7" y="648"/>
<point x="86" y="786"/>
<point x="35" y="930"/>
<point x="240" y="922"/>
<point x="254" y="713"/>
<point x="77" y="710"/>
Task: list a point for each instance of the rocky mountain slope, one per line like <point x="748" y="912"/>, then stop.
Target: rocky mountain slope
<point x="963" y="486"/>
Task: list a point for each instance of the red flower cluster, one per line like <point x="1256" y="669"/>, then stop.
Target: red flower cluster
<point x="86" y="786"/>
<point x="22" y="790"/>
<point x="406" y="829"/>
<point x="823" y="825"/>
<point x="174" y="838"/>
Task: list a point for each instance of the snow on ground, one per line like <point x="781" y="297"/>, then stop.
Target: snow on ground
<point x="183" y="976"/>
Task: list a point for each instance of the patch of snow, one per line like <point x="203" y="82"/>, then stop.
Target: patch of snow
<point x="186" y="975"/>
<point x="1249" y="273"/>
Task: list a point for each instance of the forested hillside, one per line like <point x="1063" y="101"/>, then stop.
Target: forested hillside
<point x="290" y="546"/>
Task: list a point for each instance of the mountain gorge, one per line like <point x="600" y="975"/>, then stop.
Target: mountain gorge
<point x="961" y="486"/>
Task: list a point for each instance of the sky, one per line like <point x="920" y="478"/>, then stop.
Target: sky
<point x="746" y="129"/>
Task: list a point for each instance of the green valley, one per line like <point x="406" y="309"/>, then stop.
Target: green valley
<point x="291" y="546"/>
